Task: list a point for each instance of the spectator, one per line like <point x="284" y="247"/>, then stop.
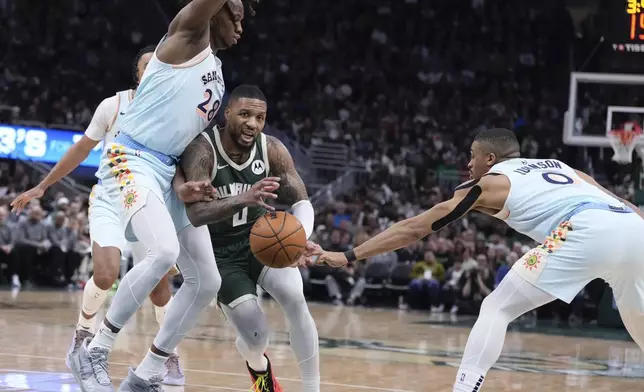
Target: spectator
<point x="476" y="284"/>
<point x="61" y="238"/>
<point x="451" y="289"/>
<point x="31" y="243"/>
<point x="427" y="276"/>
<point x="504" y="268"/>
<point x="7" y="242"/>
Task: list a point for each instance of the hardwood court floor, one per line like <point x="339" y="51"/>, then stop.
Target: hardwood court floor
<point x="360" y="349"/>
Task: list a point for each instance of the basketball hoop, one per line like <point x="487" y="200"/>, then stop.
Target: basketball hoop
<point x="623" y="142"/>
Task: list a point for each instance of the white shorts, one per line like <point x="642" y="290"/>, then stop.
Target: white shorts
<point x="128" y="175"/>
<point x="592" y="244"/>
<point x="104" y="223"/>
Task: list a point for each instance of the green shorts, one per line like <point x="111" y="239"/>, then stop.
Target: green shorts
<point x="240" y="273"/>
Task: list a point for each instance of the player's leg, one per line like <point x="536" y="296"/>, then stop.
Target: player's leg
<point x="512" y="298"/>
<point x="108" y="240"/>
<point x="201" y="282"/>
<point x="153" y="227"/>
<point x="285" y="286"/>
<point x="559" y="268"/>
<point x="252" y="332"/>
<point x="161" y="297"/>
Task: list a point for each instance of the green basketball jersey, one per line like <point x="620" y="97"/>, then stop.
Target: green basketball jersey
<point x="230" y="179"/>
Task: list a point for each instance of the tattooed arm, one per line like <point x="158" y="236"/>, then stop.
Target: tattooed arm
<point x="197" y="163"/>
<point x="292" y="189"/>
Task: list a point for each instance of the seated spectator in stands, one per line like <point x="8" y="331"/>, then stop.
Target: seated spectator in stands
<point x="425" y="287"/>
<point x="504" y="268"/>
<point x="476" y="284"/>
<point x="7" y="242"/>
<point x="451" y="289"/>
<point x="356" y="277"/>
<point x="339" y="280"/>
<point x="31" y="244"/>
<point x="62" y="239"/>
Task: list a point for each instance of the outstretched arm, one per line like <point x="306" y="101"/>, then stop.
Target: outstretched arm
<point x="292" y="190"/>
<point x="76" y="154"/>
<point x="592" y="181"/>
<point x="466" y="197"/>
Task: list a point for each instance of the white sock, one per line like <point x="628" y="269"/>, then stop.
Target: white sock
<point x="104" y="338"/>
<point x="468" y="380"/>
<point x="152" y="365"/>
<point x="93" y="299"/>
<point x="256" y="361"/>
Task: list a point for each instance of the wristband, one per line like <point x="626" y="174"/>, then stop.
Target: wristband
<point x="350" y="255"/>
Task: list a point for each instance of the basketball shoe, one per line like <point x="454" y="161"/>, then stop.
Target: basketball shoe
<point x="79" y="337"/>
<point x="264" y="381"/>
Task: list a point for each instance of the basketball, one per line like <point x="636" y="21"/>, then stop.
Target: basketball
<point x="277" y="239"/>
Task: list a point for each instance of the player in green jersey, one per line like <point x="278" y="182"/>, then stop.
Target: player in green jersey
<point x="246" y="167"/>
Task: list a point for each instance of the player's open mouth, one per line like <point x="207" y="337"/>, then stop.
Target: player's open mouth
<point x="247" y="137"/>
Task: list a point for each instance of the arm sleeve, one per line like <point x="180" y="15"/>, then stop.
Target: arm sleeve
<point x="303" y="211"/>
<point x="103" y="118"/>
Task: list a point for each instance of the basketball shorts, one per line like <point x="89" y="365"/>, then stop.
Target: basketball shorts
<point x="594" y="243"/>
<point x="129" y="172"/>
<point x="240" y="273"/>
<point x="105" y="227"/>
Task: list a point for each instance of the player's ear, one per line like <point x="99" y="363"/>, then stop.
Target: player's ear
<point x="490" y="159"/>
<point x="226" y="113"/>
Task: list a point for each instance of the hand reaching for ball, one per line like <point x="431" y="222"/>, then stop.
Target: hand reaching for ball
<point x="262" y="190"/>
<point x="314" y="254"/>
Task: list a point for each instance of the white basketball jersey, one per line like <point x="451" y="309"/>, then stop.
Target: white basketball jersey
<point x="174" y="103"/>
<point x="124" y="99"/>
<point x="542" y="193"/>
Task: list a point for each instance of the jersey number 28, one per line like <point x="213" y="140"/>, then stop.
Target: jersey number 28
<point x="208" y="108"/>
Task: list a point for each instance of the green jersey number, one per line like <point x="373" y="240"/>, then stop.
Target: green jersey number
<point x="240" y="218"/>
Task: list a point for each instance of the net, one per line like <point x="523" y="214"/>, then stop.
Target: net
<point x="623" y="142"/>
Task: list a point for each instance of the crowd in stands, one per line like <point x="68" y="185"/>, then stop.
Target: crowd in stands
<point x="404" y="84"/>
<point x="45" y="244"/>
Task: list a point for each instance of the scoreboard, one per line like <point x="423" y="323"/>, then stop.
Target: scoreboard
<point x="42" y="145"/>
<point x="625" y="19"/>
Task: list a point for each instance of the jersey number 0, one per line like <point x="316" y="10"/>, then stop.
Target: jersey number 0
<point x="241" y="217"/>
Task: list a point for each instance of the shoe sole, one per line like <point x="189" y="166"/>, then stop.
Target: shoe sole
<point x="174" y="382"/>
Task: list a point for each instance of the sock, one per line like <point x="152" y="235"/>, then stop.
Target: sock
<point x="104" y="338"/>
<point x="152" y="365"/>
<point x="93" y="299"/>
<point x="468" y="380"/>
<point x="256" y="361"/>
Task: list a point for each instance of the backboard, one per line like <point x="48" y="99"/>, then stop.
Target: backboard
<point x="599" y="103"/>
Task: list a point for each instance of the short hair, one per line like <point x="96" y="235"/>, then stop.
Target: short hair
<point x="247" y="91"/>
<point x="499" y="141"/>
<point x="135" y="63"/>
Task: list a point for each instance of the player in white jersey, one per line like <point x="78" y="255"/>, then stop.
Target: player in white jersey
<point x="586" y="233"/>
<point x="179" y="95"/>
<point x="108" y="241"/>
